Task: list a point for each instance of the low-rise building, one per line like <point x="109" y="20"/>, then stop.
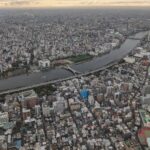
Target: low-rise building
<point x="44" y="63"/>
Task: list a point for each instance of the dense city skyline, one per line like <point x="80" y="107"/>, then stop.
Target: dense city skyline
<point x="74" y="75"/>
<point x="71" y="3"/>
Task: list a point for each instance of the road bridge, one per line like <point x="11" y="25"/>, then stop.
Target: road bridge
<point x="71" y="70"/>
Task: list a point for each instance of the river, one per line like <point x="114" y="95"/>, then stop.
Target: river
<point x="32" y="79"/>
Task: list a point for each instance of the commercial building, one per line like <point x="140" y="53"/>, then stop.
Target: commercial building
<point x="28" y="99"/>
<point x="144" y="135"/>
<point x="44" y="63"/>
<point x="145" y="117"/>
<point x="4" y="118"/>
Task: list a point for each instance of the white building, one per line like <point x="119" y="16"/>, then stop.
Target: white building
<point x="149" y="71"/>
<point x="146" y="99"/>
<point x="46" y="110"/>
<point x="129" y="60"/>
<point x="44" y="63"/>
<point x="59" y="106"/>
<point x="38" y="110"/>
<point x="148" y="142"/>
<point x="1" y="68"/>
<point x="3" y="118"/>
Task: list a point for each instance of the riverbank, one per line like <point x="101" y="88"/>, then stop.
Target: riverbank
<point x="23" y="82"/>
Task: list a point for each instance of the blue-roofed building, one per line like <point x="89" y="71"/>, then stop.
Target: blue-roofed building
<point x="18" y="144"/>
<point x="84" y="94"/>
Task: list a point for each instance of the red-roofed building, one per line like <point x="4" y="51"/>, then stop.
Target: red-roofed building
<point x="143" y="134"/>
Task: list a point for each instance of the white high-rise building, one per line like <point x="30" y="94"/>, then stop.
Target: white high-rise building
<point x="38" y="110"/>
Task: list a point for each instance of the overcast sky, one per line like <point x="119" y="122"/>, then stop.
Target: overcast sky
<point x="67" y="3"/>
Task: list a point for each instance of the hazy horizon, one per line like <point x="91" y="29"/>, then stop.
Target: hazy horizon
<point x="72" y="3"/>
<point x="78" y="7"/>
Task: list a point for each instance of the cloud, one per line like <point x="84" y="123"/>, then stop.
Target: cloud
<point x="103" y="2"/>
<point x="116" y="2"/>
<point x="23" y="2"/>
<point x="19" y="2"/>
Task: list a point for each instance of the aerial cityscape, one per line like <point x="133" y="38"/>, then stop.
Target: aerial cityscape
<point x="74" y="78"/>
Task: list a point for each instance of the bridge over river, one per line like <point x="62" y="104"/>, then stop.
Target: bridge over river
<point x="24" y="82"/>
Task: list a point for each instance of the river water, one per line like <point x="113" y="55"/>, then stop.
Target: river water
<point x="56" y="74"/>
